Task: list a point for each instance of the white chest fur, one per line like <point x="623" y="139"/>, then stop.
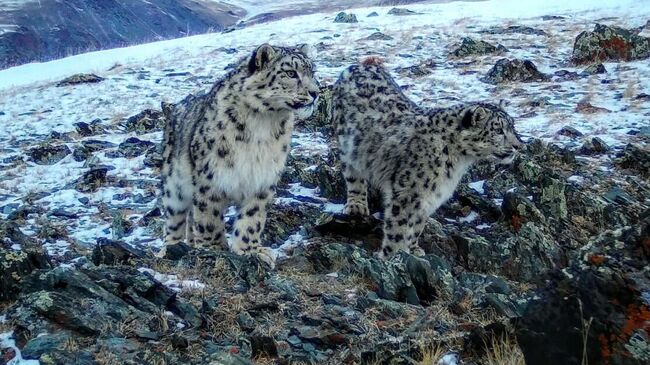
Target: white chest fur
<point x="256" y="164"/>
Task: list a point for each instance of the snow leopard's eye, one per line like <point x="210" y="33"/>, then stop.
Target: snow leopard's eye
<point x="292" y="74"/>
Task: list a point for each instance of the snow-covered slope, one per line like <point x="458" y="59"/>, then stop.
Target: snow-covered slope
<point x="32" y="108"/>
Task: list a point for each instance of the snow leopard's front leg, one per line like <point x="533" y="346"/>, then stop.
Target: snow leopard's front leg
<point x="357" y="193"/>
<point x="208" y="205"/>
<point x="404" y="219"/>
<point x="249" y="226"/>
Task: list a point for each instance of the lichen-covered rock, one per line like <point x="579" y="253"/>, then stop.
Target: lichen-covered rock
<point x="594" y="146"/>
<point x="471" y="47"/>
<point x="522" y="257"/>
<point x="88" y="147"/>
<point x="419" y="70"/>
<point x="607" y="43"/>
<point x="401" y="11"/>
<point x="49" y="154"/>
<point x="518" y="209"/>
<point x="514" y="29"/>
<point x="343" y="17"/>
<point x="132" y="147"/>
<point x="516" y="70"/>
<point x="110" y="252"/>
<point x="406" y="279"/>
<point x="91" y="180"/>
<point x="377" y="36"/>
<point x="597" y="308"/>
<point x="594" y="69"/>
<point x="551" y="198"/>
<point x="80" y="79"/>
<point x="146" y="121"/>
<point x="14" y="266"/>
<point x="635" y="158"/>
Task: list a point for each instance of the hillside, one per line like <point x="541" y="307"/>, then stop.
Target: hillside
<point x="545" y="260"/>
<point x="48" y="29"/>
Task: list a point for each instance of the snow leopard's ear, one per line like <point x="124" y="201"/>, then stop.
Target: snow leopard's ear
<point x="475" y="116"/>
<point x="308" y="50"/>
<point x="262" y="56"/>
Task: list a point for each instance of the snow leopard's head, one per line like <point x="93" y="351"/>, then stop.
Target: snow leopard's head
<point x="488" y="132"/>
<point x="282" y="78"/>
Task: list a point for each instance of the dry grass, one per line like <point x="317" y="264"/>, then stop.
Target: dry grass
<point x="504" y="352"/>
<point x="432" y="354"/>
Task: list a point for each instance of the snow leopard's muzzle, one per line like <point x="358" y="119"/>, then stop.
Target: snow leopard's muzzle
<point x="305" y="107"/>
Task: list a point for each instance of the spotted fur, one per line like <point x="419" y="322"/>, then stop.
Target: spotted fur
<point x="229" y="146"/>
<point x="416" y="156"/>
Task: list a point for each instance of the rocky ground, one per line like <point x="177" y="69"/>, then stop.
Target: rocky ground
<point x="546" y="260"/>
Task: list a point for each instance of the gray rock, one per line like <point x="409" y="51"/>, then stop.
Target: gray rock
<point x="477" y="282"/>
<point x="401" y="11"/>
<point x="522" y="257"/>
<point x="603" y="290"/>
<point x="92" y="180"/>
<point x="569" y="131"/>
<point x="110" y="252"/>
<point x="80" y="79"/>
<point x="607" y="43"/>
<point x="146" y="121"/>
<point x="263" y="346"/>
<point x="514" y="29"/>
<point x="552" y="199"/>
<point x="14" y="266"/>
<point x="634" y="158"/>
<point x="132" y="147"/>
<point x="377" y="36"/>
<point x="517" y="209"/>
<point x="49" y="154"/>
<point x="373" y="14"/>
<point x="342" y="17"/>
<point x="40" y="345"/>
<point x="423" y="69"/>
<point x="516" y="70"/>
<point x="594" y="146"/>
<point x="471" y="47"/>
<point x="594" y="69"/>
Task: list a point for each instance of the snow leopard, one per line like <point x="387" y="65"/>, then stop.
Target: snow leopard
<point x="229" y="146"/>
<point x="414" y="155"/>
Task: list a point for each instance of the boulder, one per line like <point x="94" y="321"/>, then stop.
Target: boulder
<point x="597" y="310"/>
<point x="80" y="79"/>
<point x="377" y="36"/>
<point x="14" y="266"/>
<point x="92" y="180"/>
<point x="49" y="154"/>
<point x="146" y="121"/>
<point x="343" y="17"/>
<point x="131" y="147"/>
<point x="516" y="70"/>
<point x="635" y="158"/>
<point x="401" y="11"/>
<point x="471" y="47"/>
<point x="607" y="43"/>
<point x="514" y="29"/>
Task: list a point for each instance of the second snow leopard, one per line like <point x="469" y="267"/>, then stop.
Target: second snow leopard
<point x="416" y="156"/>
<point x="229" y="146"/>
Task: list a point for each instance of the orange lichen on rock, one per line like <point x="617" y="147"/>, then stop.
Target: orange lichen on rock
<point x="597" y="259"/>
<point x="638" y="317"/>
<point x="617" y="45"/>
<point x="517" y="221"/>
